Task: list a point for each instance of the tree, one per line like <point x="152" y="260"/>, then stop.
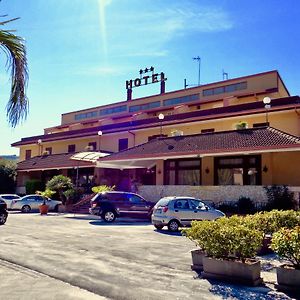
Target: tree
<point x="60" y="183"/>
<point x="7" y="176"/>
<point x="15" y="50"/>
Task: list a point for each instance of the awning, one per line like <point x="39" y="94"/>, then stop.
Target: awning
<point x="127" y="164"/>
<point x="88" y="156"/>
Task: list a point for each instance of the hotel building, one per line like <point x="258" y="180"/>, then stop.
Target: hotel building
<point x="179" y="141"/>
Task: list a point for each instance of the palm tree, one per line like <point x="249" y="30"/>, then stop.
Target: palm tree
<point x="15" y="50"/>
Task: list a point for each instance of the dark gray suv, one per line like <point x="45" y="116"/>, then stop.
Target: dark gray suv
<point x="110" y="205"/>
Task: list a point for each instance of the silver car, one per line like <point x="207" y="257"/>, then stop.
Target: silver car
<point x="8" y="199"/>
<point x="32" y="202"/>
<point x="181" y="211"/>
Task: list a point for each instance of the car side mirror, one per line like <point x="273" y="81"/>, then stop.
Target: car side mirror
<point x="206" y="207"/>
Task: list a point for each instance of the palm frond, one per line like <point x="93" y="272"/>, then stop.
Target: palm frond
<point x="14" y="47"/>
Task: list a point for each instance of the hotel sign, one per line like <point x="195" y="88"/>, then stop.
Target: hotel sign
<point x="145" y="80"/>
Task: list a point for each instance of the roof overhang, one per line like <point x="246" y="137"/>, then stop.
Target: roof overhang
<point x="135" y="162"/>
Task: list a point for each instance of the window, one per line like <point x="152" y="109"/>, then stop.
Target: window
<point x="93" y="146"/>
<point x="180" y="100"/>
<point x="196" y="204"/>
<point x="123" y="144"/>
<point x="260" y="124"/>
<point x="27" y="154"/>
<point x="225" y="89"/>
<point x="181" y="204"/>
<point x="182" y="172"/>
<point x="49" y="150"/>
<point x="209" y="130"/>
<point x="112" y="110"/>
<point x="71" y="148"/>
<point x="153" y="137"/>
<point x="134" y="199"/>
<point x="238" y="170"/>
<point x="146" y="106"/>
<point x="87" y="115"/>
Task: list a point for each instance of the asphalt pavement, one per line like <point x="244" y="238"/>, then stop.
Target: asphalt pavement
<point x="66" y="256"/>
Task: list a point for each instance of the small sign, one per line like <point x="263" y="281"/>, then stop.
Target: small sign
<point x="147" y="79"/>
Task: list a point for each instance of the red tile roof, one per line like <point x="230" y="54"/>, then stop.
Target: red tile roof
<point x="253" y="139"/>
<point x="55" y="161"/>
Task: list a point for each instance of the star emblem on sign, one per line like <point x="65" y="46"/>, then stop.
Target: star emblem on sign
<point x="151" y="69"/>
<point x="146" y="70"/>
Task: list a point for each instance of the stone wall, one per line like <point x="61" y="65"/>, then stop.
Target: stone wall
<point x="213" y="193"/>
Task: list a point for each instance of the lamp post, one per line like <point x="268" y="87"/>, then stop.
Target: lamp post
<point x="161" y="118"/>
<point x="267" y="103"/>
<point x="40" y="146"/>
<point x="100" y="133"/>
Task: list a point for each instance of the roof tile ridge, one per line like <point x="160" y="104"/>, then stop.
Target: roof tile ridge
<point x="287" y="135"/>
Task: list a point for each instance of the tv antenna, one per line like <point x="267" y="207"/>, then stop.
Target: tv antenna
<point x="225" y="75"/>
<point x="198" y="58"/>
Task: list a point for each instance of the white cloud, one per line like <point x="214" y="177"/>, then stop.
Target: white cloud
<point x="99" y="71"/>
<point x="148" y="32"/>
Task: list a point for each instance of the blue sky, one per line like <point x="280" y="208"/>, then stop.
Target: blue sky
<point x="81" y="52"/>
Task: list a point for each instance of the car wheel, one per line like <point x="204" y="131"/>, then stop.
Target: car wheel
<point x="3" y="218"/>
<point x="159" y="227"/>
<point x="26" y="209"/>
<point x="108" y="216"/>
<point x="173" y="225"/>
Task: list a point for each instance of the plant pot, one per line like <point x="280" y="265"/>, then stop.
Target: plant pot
<point x="43" y="209"/>
<point x="288" y="278"/>
<point x="265" y="248"/>
<point x="197" y="259"/>
<point x="247" y="273"/>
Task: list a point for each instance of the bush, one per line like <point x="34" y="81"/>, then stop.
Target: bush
<point x="102" y="188"/>
<point x="270" y="222"/>
<point x="279" y="197"/>
<point x="245" y="206"/>
<point x="286" y="243"/>
<point x="34" y="185"/>
<point x="60" y="184"/>
<point x="226" y="237"/>
<point x="228" y="207"/>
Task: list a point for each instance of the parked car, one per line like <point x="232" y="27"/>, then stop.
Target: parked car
<point x="181" y="211"/>
<point x="3" y="212"/>
<point x="32" y="202"/>
<point x="110" y="205"/>
<point x="8" y="199"/>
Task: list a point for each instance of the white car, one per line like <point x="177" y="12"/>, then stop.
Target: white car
<point x="32" y="202"/>
<point x="8" y="199"/>
<point x="175" y="212"/>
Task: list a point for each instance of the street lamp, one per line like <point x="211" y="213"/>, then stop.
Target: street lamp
<point x="40" y="146"/>
<point x="100" y="133"/>
<point x="161" y="118"/>
<point x="267" y="103"/>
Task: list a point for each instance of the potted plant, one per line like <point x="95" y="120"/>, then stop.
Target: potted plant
<point x="286" y="243"/>
<point x="197" y="234"/>
<point x="45" y="194"/>
<point x="231" y="247"/>
<point x="241" y="125"/>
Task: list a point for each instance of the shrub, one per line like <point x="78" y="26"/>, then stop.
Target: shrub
<point x="279" y="197"/>
<point x="34" y="185"/>
<point x="270" y="222"/>
<point x="226" y="237"/>
<point x="245" y="206"/>
<point x="60" y="183"/>
<point x="102" y="188"/>
<point x="228" y="207"/>
<point x="286" y="243"/>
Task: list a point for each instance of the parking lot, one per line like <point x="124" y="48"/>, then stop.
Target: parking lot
<point x="124" y="260"/>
